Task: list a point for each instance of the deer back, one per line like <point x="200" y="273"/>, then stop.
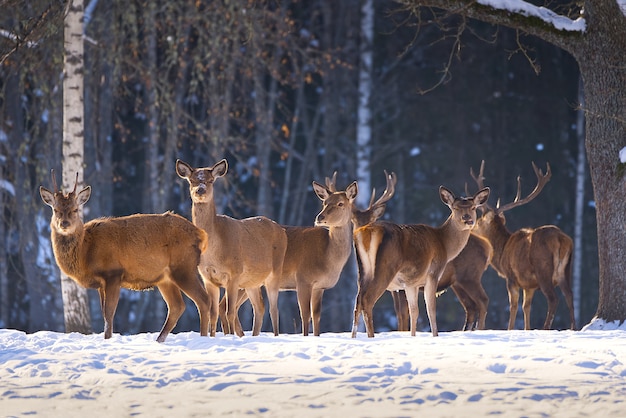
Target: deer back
<point x="250" y="249"/>
<point x="318" y="254"/>
<point x="144" y="247"/>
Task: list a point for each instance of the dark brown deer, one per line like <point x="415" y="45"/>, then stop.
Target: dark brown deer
<point x="463" y="274"/>
<point x="136" y="252"/>
<point x="242" y="253"/>
<point x="409" y="257"/>
<point x="530" y="258"/>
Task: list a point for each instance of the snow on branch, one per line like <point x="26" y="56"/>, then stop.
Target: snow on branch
<point x="530" y="10"/>
<point x="622" y="6"/>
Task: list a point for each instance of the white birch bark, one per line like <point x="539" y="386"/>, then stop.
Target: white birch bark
<point x="364" y="129"/>
<point x="75" y="299"/>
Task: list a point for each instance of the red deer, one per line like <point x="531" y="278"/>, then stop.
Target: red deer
<point x="136" y="252"/>
<point x="410" y="257"/>
<point x="241" y="254"/>
<point x="315" y="256"/>
<point x="463" y="274"/>
<point x="529" y="258"/>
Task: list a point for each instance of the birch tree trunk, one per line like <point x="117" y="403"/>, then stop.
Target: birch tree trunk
<point x="364" y="129"/>
<point x="75" y="298"/>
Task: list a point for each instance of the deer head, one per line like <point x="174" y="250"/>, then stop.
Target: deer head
<point x="337" y="209"/>
<point x="376" y="209"/>
<point x="65" y="206"/>
<point x="201" y="179"/>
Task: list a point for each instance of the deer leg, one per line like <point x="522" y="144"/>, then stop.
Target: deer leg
<point x="358" y="309"/>
<point x="513" y="290"/>
<point x="553" y="302"/>
<point x="109" y="298"/>
<point x="191" y="286"/>
<point x="272" y="289"/>
<point x="223" y="319"/>
<point x="412" y="295"/>
<point x="569" y="300"/>
<point x="232" y="295"/>
<point x="468" y="306"/>
<point x="316" y="310"/>
<point x="401" y="307"/>
<point x="304" y="302"/>
<point x="430" y="297"/>
<point x="242" y="297"/>
<point x="175" y="307"/>
<point x="482" y="301"/>
<point x="258" y="307"/>
<point x="214" y="299"/>
<point x="527" y="304"/>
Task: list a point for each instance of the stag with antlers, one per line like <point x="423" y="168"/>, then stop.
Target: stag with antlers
<point x="530" y="258"/>
<point x="410" y="257"/>
<point x="463" y="274"/>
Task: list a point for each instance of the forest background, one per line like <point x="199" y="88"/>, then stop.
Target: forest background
<point x="273" y="87"/>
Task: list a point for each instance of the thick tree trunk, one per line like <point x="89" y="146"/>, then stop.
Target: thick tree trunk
<point x="75" y="300"/>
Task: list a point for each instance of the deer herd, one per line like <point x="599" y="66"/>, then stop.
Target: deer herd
<point x="242" y="256"/>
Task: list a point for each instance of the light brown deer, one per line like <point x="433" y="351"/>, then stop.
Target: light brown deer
<point x="463" y="274"/>
<point x="136" y="252"/>
<point x="315" y="256"/>
<point x="242" y="253"/>
<point x="410" y="257"/>
<point x="529" y="258"/>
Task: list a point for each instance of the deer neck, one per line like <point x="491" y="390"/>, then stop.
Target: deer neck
<point x="340" y="242"/>
<point x="497" y="234"/>
<point x="67" y="250"/>
<point x="453" y="237"/>
<point x="203" y="214"/>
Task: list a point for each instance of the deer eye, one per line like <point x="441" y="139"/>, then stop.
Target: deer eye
<point x="340" y="204"/>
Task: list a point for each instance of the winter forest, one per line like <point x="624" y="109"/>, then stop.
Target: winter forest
<point x="276" y="88"/>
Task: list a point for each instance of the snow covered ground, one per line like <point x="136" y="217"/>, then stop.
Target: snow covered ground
<point x="470" y="374"/>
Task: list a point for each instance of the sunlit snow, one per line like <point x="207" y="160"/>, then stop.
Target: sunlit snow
<point x="481" y="373"/>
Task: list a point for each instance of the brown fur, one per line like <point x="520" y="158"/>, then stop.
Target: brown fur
<point x="316" y="255"/>
<point x="529" y="258"/>
<point x="136" y="252"/>
<point x="242" y="253"/>
<point x="463" y="275"/>
<point x="409" y="257"/>
<point x="314" y="258"/>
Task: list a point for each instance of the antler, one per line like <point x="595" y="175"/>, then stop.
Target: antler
<point x="54" y="181"/>
<point x="542" y="180"/>
<point x="479" y="179"/>
<point x="331" y="184"/>
<point x="387" y="194"/>
<point x="75" y="183"/>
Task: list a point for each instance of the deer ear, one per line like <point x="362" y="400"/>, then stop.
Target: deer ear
<point x="47" y="196"/>
<point x="321" y="191"/>
<point x="481" y="197"/>
<point x="446" y="196"/>
<point x="352" y="190"/>
<point x="220" y="169"/>
<point x="378" y="212"/>
<point x="84" y="195"/>
<point x="183" y="169"/>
